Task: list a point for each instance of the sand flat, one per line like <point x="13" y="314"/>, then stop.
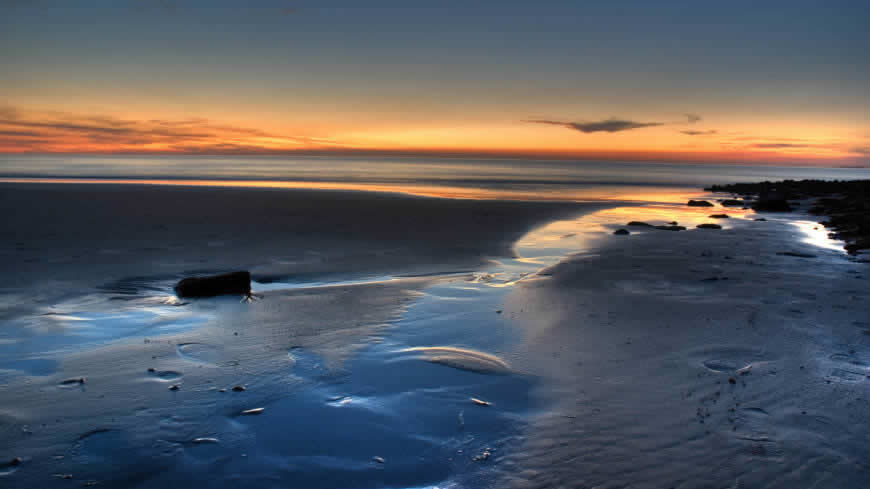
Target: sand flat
<point x="659" y="356"/>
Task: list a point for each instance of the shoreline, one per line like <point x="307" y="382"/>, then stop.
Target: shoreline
<point x="614" y="354"/>
<point x="104" y="236"/>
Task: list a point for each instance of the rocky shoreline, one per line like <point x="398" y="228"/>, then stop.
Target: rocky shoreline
<point x="845" y="204"/>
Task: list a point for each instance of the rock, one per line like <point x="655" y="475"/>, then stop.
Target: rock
<point x="720" y="216"/>
<point x="639" y="223"/>
<point x="672" y="223"/>
<point x="671" y="228"/>
<point x="15" y="462"/>
<point x="760" y="219"/>
<point x="861" y="244"/>
<point x="379" y="460"/>
<point x="699" y="203"/>
<point x="174" y="387"/>
<point x="771" y="205"/>
<point x="239" y="388"/>
<point x="621" y="232"/>
<point x="151" y="370"/>
<point x="732" y="203"/>
<point x="732" y="380"/>
<point x="211" y="286"/>
<point x="708" y="225"/>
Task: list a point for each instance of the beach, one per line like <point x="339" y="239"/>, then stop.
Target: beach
<point x="407" y="341"/>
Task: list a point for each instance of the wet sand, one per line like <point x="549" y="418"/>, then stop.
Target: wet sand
<point x="703" y="358"/>
<point x="610" y="367"/>
<point x="59" y="237"/>
<point x="107" y="377"/>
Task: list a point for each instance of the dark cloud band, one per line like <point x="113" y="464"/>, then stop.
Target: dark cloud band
<point x="607" y="125"/>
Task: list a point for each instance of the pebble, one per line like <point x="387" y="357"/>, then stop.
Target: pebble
<point x="379" y="460"/>
<point x="483" y="456"/>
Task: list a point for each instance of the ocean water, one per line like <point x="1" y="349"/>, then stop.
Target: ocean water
<point x="439" y="177"/>
<point x="416" y="380"/>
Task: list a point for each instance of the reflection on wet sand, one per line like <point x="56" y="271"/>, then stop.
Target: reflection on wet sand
<point x="513" y="192"/>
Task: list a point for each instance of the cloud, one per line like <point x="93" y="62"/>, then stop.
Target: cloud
<point x="692" y="118"/>
<point x="64" y="132"/>
<point x="781" y="145"/>
<point x="26" y="134"/>
<point x="699" y="133"/>
<point x="608" y="125"/>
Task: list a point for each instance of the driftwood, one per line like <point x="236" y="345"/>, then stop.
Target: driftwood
<point x="225" y="284"/>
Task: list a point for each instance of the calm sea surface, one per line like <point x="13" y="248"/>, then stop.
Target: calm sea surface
<point x="442" y="177"/>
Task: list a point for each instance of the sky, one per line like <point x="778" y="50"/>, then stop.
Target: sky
<point x="736" y="81"/>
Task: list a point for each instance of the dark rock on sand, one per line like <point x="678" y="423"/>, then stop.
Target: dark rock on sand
<point x="720" y="216"/>
<point x="771" y="205"/>
<point x="732" y="203"/>
<point x="699" y="203"/>
<point x="225" y="284"/>
<point x="621" y="232"/>
<point x="640" y="224"/>
<point x="760" y="219"/>
<point x="846" y="203"/>
<point x="708" y="225"/>
<point x="671" y="228"/>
